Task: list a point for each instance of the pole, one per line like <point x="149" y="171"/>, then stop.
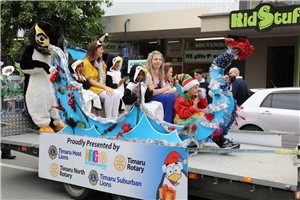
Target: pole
<point x="126" y="58"/>
<point x="126" y="32"/>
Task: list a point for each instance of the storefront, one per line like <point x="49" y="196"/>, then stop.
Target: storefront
<point x="275" y="59"/>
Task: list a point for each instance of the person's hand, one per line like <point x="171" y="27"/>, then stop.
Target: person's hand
<point x="136" y="92"/>
<point x="167" y="88"/>
<point x="150" y="87"/>
<point x="200" y="92"/>
<point x="121" y="82"/>
<point x="80" y="77"/>
<point x="109" y="91"/>
<point x="176" y="83"/>
<point x="196" y="102"/>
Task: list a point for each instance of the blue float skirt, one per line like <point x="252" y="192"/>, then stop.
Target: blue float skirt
<point x="168" y="101"/>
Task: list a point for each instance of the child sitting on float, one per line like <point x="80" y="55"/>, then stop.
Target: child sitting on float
<point x="190" y="104"/>
<point x="168" y="67"/>
<point x="139" y="80"/>
<point x="114" y="78"/>
<point x="90" y="98"/>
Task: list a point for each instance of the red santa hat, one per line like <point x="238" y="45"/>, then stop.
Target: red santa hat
<point x="100" y="41"/>
<point x="173" y="158"/>
<point x="187" y="81"/>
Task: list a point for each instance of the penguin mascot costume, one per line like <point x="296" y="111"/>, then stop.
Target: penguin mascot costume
<point x="39" y="92"/>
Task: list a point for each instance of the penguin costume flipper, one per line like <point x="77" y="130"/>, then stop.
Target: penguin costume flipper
<point x="28" y="65"/>
<point x="160" y="185"/>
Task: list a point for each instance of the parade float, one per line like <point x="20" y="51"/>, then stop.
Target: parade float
<point x="137" y="123"/>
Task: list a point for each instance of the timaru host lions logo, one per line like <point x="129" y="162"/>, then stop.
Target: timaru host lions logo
<point x="52" y="152"/>
<point x="93" y="177"/>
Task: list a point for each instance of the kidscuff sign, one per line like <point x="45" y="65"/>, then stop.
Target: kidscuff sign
<point x="136" y="170"/>
<point x="265" y="17"/>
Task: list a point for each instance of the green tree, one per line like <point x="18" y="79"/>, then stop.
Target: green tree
<point x="80" y="21"/>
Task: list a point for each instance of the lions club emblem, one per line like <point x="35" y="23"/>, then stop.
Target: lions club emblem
<point x="52" y="152"/>
<point x="93" y="177"/>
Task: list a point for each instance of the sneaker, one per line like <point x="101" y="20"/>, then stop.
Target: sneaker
<point x="230" y="145"/>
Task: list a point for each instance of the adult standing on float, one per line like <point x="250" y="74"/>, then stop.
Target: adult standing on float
<point x="95" y="72"/>
<point x="161" y="93"/>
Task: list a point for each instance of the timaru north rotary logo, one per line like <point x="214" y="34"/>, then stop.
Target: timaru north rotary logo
<point x="93" y="177"/>
<point x="120" y="163"/>
<point x="54" y="170"/>
<point x="52" y="152"/>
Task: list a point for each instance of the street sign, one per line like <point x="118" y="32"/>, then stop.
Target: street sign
<point x="125" y="52"/>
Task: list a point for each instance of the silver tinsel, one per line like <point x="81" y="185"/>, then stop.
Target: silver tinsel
<point x="220" y="105"/>
<point x="226" y="118"/>
<point x="208" y="124"/>
<point x="227" y="93"/>
<point x="213" y="67"/>
<point x="214" y="84"/>
<point x="154" y="118"/>
<point x="227" y="112"/>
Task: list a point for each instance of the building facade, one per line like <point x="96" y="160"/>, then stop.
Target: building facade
<point x="190" y="35"/>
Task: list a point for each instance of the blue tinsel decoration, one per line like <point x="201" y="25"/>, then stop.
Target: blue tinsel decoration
<point x="233" y="115"/>
<point x="223" y="60"/>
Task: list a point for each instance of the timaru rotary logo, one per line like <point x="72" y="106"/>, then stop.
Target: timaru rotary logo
<point x="102" y="157"/>
<point x="54" y="170"/>
<point x="52" y="152"/>
<point x="93" y="177"/>
<point x="120" y="163"/>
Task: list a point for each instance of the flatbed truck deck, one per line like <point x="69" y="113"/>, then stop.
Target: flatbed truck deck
<point x="216" y="175"/>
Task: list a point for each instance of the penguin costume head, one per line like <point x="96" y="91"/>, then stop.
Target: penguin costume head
<point x="134" y="72"/>
<point x="111" y="62"/>
<point x="42" y="34"/>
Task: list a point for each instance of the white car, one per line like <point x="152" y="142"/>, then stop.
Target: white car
<point x="271" y="110"/>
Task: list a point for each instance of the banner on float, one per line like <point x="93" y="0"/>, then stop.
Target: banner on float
<point x="134" y="62"/>
<point x="125" y="168"/>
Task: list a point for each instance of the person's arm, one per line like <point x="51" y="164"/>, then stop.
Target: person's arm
<point x="158" y="91"/>
<point x="235" y="88"/>
<point x="129" y="98"/>
<point x="202" y="103"/>
<point x="110" y="83"/>
<point x="86" y="85"/>
<point x="148" y="95"/>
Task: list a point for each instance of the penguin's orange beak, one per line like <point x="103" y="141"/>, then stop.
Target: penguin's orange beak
<point x="174" y="177"/>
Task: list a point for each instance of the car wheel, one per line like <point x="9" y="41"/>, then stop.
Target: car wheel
<point x="77" y="192"/>
<point x="251" y="128"/>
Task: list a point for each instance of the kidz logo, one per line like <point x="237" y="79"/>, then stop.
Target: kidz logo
<point x="52" y="152"/>
<point x="265" y="17"/>
<point x="93" y="177"/>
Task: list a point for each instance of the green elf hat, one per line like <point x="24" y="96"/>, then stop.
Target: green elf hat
<point x="187" y="81"/>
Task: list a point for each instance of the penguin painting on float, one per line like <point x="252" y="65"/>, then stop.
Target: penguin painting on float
<point x="173" y="184"/>
<point x="39" y="92"/>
